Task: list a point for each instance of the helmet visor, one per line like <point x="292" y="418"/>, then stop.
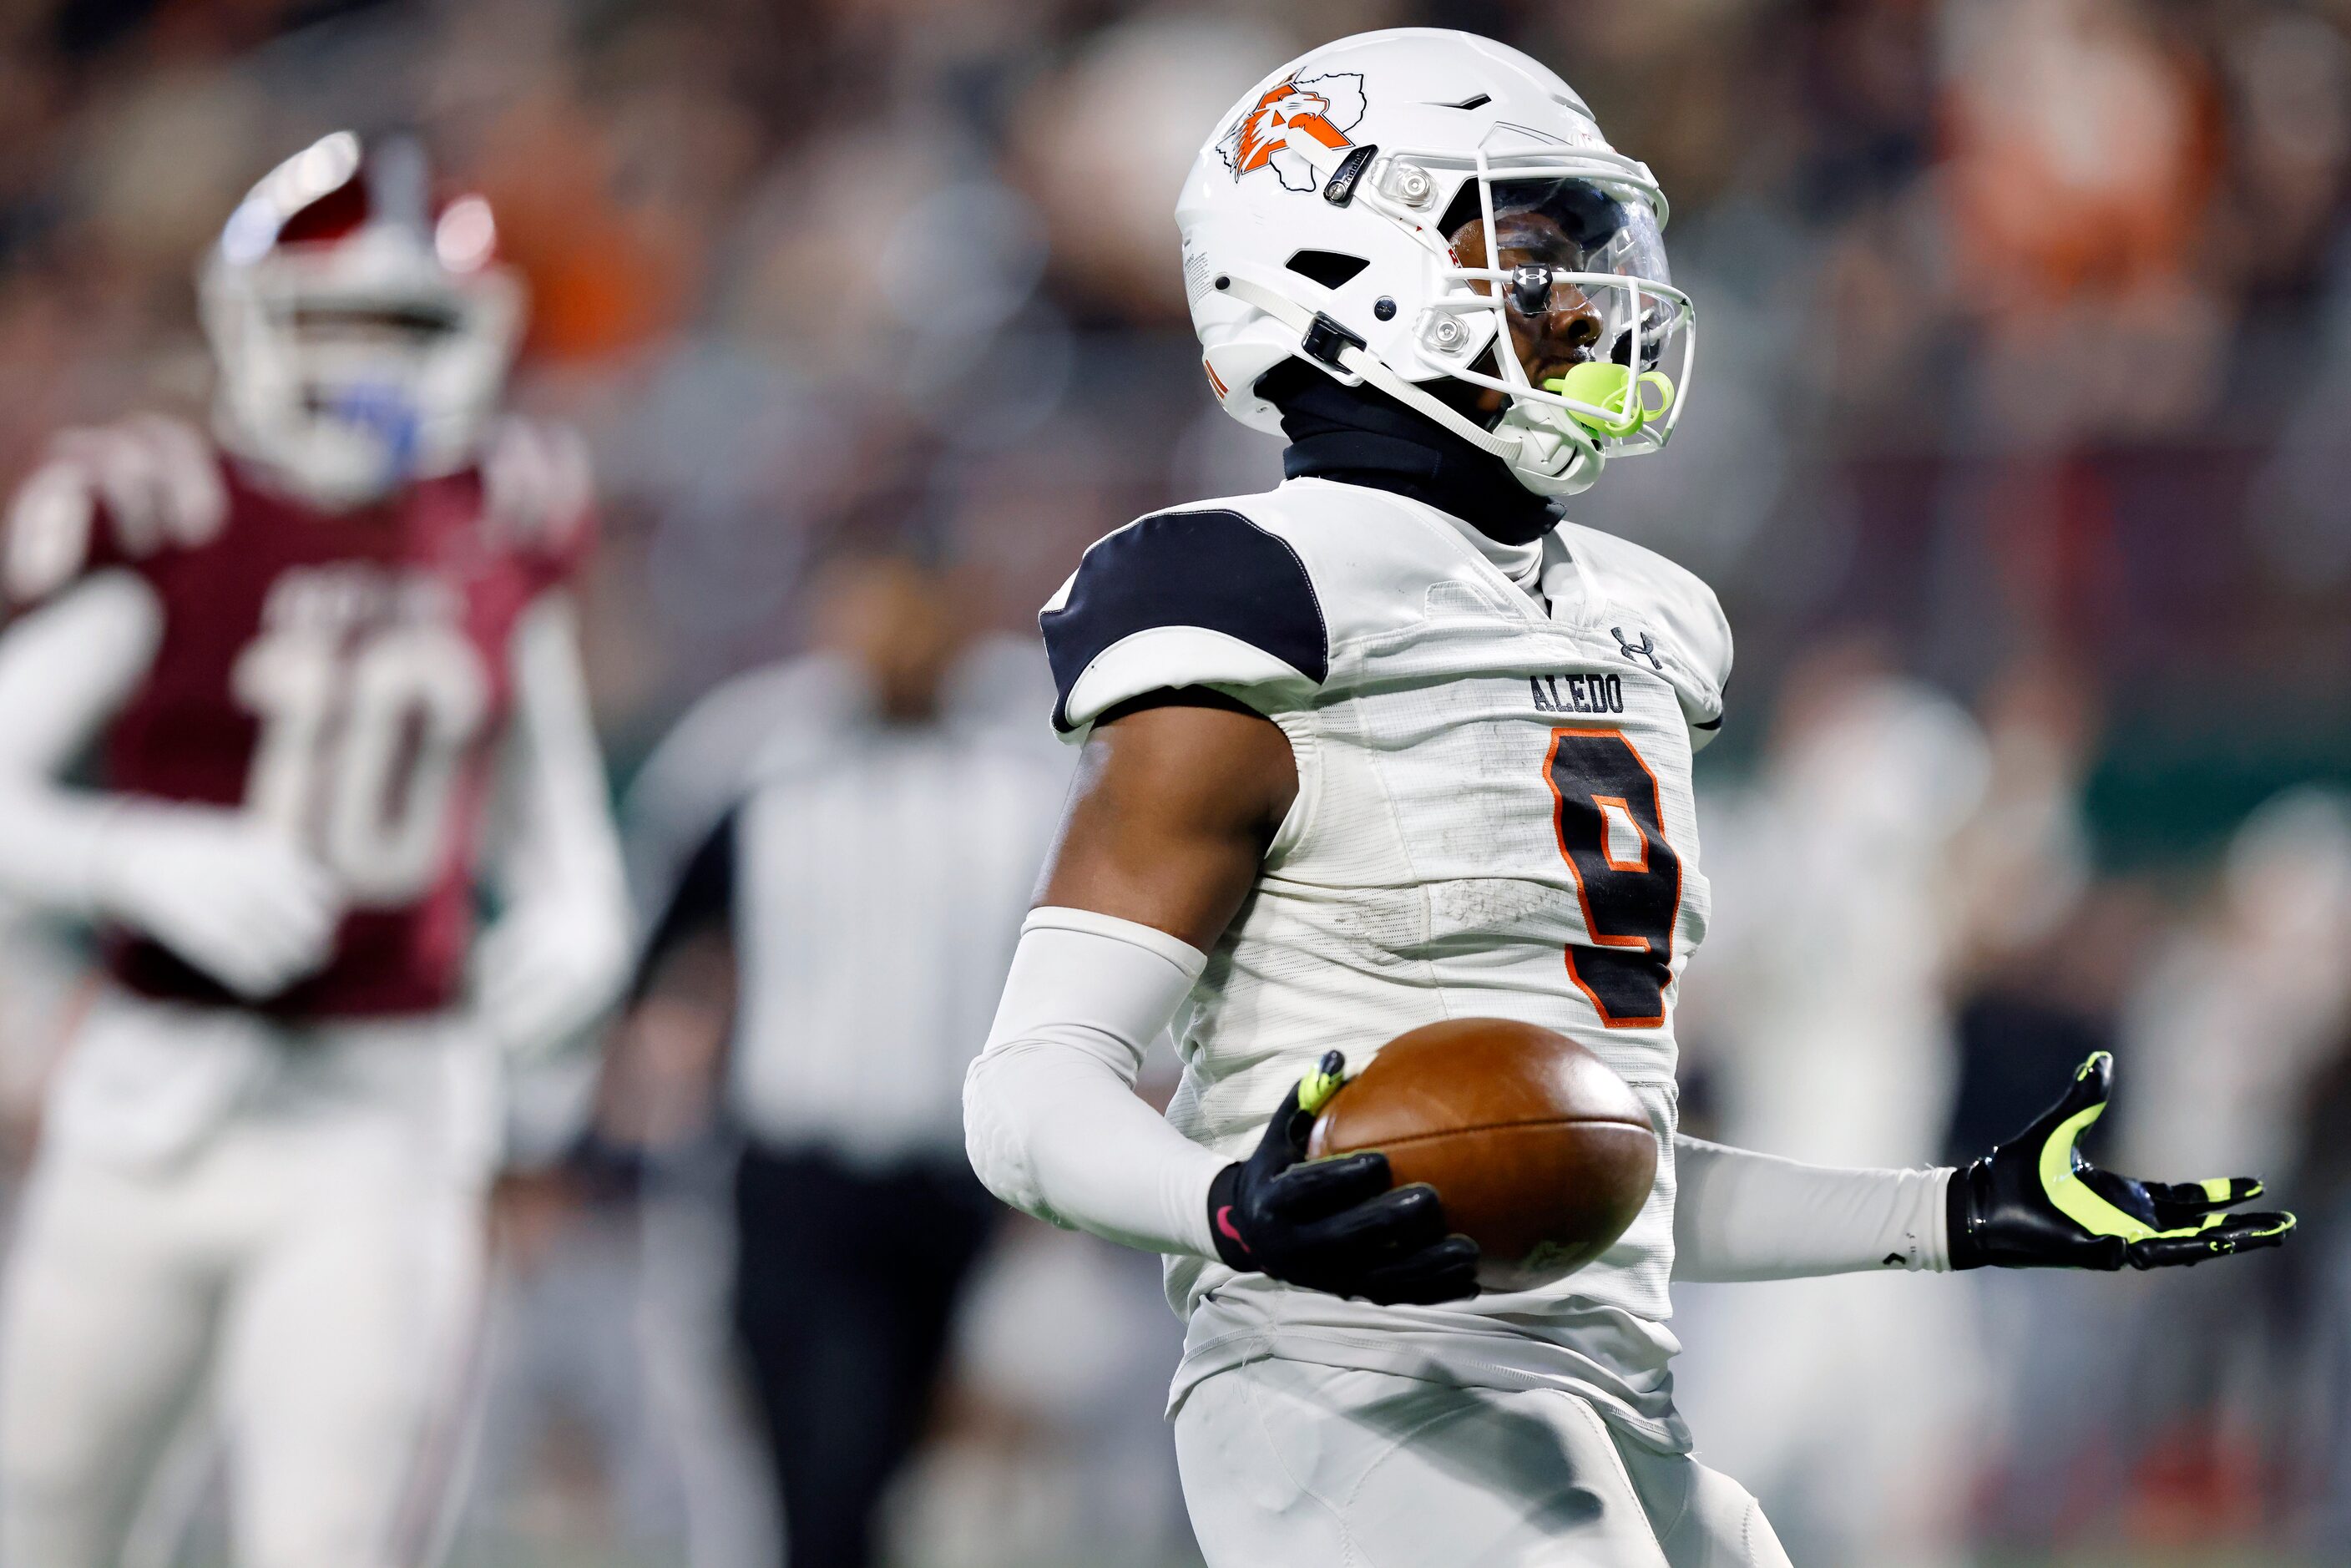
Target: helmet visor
<point x="1560" y="244"/>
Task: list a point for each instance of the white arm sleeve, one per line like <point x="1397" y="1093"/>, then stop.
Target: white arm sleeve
<point x="1049" y="1113"/>
<point x="65" y="669"/>
<point x="1739" y="1215"/>
<point x="559" y="952"/>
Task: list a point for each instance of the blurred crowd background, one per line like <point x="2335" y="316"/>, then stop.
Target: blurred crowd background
<point x="2019" y="455"/>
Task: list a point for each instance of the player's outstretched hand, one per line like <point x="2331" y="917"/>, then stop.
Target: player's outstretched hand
<point x="233" y="896"/>
<point x="2035" y="1203"/>
<point x="1336" y="1225"/>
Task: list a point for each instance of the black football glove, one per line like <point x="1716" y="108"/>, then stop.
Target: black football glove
<point x="1335" y="1225"/>
<point x="2035" y="1203"/>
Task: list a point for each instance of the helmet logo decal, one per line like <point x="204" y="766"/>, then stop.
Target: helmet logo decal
<point x="1321" y="109"/>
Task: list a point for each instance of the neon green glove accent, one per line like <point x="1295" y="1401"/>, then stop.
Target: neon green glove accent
<point x="2061" y="1164"/>
<point x="2035" y="1202"/>
<point x="1314" y="1090"/>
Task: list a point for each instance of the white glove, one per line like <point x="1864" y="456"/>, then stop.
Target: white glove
<point x="232" y="896"/>
<point x="543" y="975"/>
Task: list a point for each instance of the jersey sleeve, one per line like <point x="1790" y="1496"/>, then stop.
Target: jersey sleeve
<point x="1688" y="635"/>
<point x="1203" y="598"/>
<point x="1696" y="617"/>
<point x="106" y="497"/>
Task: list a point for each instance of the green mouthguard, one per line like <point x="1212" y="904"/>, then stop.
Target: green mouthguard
<point x="1606" y="385"/>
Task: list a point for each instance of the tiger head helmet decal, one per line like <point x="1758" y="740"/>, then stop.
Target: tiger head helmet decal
<point x="1323" y="108"/>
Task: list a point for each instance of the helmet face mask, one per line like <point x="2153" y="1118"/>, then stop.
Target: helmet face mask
<point x="360" y="346"/>
<point x="1508" y="254"/>
<point x="1577" y="276"/>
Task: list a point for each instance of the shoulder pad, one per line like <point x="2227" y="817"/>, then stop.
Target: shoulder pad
<point x="1688" y="634"/>
<point x="1202" y="597"/>
<point x="110" y="496"/>
<point x="537" y="493"/>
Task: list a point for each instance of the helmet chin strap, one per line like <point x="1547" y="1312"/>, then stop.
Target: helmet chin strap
<point x="1573" y="460"/>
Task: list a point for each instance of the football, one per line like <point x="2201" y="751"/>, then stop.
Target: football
<point x="1541" y="1155"/>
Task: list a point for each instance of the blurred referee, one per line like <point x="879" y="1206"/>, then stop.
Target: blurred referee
<point x="832" y="857"/>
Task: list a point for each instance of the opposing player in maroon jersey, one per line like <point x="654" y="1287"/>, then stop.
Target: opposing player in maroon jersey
<point x="326" y="663"/>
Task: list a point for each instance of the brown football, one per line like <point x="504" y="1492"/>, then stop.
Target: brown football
<point x="1541" y="1155"/>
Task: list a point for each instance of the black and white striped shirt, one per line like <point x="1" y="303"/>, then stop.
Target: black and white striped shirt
<point x="873" y="876"/>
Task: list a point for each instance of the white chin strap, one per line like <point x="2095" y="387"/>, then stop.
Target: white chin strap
<point x="1546" y="460"/>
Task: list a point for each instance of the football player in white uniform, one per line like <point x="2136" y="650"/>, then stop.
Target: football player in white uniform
<point x="329" y="658"/>
<point x="1392" y="744"/>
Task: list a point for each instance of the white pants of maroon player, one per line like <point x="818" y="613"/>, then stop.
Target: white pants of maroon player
<point x="1320" y="1466"/>
<point x="289" y="1225"/>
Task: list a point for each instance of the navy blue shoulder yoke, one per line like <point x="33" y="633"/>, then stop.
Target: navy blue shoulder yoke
<point x="1212" y="569"/>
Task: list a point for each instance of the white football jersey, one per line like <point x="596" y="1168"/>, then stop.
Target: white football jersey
<point x="1494" y="818"/>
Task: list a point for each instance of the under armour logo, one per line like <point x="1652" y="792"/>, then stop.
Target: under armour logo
<point x="1643" y="649"/>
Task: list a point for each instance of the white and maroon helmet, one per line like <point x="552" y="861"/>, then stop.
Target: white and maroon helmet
<point x="1316" y="222"/>
<point x="363" y="328"/>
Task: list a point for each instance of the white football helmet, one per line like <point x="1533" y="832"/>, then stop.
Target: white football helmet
<point x="364" y="331"/>
<point x="1416" y="205"/>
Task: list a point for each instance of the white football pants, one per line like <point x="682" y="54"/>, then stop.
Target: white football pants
<point x="1318" y="1467"/>
<point x="304" y="1246"/>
